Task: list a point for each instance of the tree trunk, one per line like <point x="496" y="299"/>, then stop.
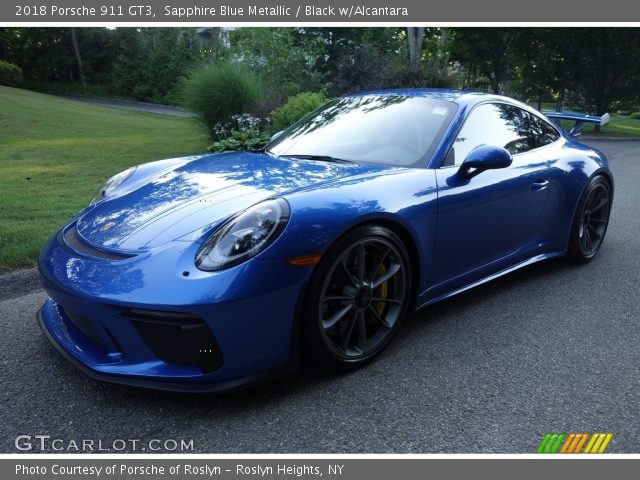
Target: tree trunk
<point x="444" y="53"/>
<point x="560" y="104"/>
<point x="540" y="95"/>
<point x="415" y="36"/>
<point x="495" y="84"/>
<point x="215" y="40"/>
<point x="76" y="49"/>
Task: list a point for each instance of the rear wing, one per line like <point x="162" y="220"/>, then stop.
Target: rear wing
<point x="579" y="120"/>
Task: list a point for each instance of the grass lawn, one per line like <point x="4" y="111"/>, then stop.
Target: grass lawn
<point x="55" y="153"/>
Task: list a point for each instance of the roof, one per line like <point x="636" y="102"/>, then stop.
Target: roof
<point x="457" y="96"/>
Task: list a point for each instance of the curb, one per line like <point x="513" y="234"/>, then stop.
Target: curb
<point x="607" y="139"/>
<point x="19" y="283"/>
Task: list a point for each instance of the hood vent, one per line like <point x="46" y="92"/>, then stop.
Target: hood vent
<point x="73" y="241"/>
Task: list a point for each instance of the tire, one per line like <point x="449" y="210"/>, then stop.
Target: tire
<point x="353" y="308"/>
<point x="590" y="221"/>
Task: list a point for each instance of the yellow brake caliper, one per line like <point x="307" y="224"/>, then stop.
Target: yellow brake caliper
<point x="380" y="292"/>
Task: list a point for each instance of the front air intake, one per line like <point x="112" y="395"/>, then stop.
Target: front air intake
<point x="177" y="338"/>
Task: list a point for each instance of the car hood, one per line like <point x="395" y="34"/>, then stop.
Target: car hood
<point x="199" y="194"/>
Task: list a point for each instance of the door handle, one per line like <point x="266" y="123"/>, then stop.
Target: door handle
<point x="540" y="184"/>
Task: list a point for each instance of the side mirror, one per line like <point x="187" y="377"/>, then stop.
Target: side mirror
<point x="485" y="157"/>
<point x="275" y="135"/>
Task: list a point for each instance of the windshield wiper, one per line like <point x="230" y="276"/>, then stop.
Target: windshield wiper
<point x="322" y="158"/>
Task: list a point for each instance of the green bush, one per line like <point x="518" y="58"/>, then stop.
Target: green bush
<point x="217" y="92"/>
<point x="248" y="140"/>
<point x="635" y="115"/>
<point x="296" y="108"/>
<point x="10" y="74"/>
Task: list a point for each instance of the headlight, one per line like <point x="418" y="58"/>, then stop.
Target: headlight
<point x="111" y="184"/>
<point x="244" y="236"/>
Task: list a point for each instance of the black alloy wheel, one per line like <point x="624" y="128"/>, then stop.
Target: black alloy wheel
<point x="591" y="221"/>
<point x="357" y="298"/>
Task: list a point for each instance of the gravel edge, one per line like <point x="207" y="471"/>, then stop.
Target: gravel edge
<point x="18" y="283"/>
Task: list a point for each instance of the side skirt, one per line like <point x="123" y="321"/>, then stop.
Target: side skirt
<point x="536" y="259"/>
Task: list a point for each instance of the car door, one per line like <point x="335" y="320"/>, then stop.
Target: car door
<point x="485" y="221"/>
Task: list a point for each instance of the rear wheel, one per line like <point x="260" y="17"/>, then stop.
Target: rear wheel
<point x="590" y="221"/>
<point x="357" y="297"/>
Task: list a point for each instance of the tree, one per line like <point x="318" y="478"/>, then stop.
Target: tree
<point x="208" y="40"/>
<point x="415" y="36"/>
<point x="488" y="54"/>
<point x="129" y="74"/>
<point x="594" y="67"/>
<point x="434" y="63"/>
<point x="601" y="67"/>
<point x="45" y="54"/>
<point x="356" y="59"/>
<point x="170" y="59"/>
<point x="76" y="50"/>
<point x="539" y="62"/>
<point x="287" y="59"/>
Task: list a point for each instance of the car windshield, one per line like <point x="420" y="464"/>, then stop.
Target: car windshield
<point x="392" y="130"/>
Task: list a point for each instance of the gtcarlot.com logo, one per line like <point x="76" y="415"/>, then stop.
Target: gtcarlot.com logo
<point x="44" y="443"/>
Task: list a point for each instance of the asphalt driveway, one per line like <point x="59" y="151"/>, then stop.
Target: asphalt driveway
<point x="129" y="105"/>
<point x="551" y="348"/>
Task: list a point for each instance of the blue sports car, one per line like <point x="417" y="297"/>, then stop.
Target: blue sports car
<point x="212" y="272"/>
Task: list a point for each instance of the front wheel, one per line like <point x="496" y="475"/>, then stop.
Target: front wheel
<point x="590" y="221"/>
<point x="357" y="297"/>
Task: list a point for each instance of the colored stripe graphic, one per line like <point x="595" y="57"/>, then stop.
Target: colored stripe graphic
<point x="569" y="443"/>
<point x="543" y="443"/>
<point x="598" y="443"/>
<point x="573" y="442"/>
<point x="607" y="439"/>
<point x="592" y="441"/>
<point x="550" y="443"/>
<point x="556" y="445"/>
<point x="581" y="443"/>
<point x="596" y="446"/>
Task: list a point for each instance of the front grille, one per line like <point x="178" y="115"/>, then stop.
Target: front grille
<point x="177" y="338"/>
<point x="73" y="241"/>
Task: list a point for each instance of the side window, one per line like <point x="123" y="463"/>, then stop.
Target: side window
<point x="503" y="125"/>
<point x="540" y="132"/>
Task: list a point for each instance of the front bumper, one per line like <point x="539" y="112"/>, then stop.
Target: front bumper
<point x="143" y="322"/>
<point x="290" y="367"/>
